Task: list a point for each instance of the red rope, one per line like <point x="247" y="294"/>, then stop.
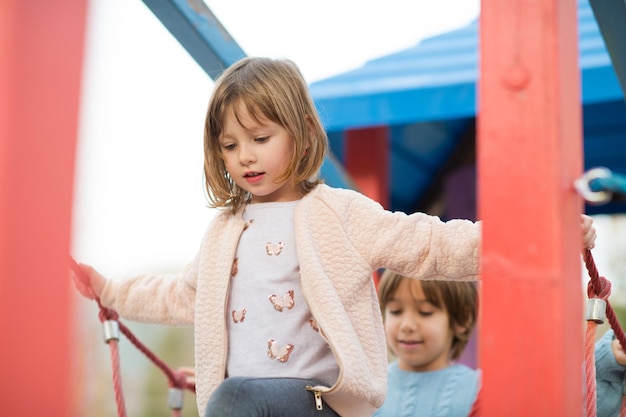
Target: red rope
<point x="600" y="287"/>
<point x="117" y="378"/>
<point x="176" y="379"/>
<point x="590" y="370"/>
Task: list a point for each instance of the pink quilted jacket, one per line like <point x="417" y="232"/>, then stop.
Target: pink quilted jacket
<point x="342" y="237"/>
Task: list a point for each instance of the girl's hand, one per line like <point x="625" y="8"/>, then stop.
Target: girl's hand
<point x="589" y="232"/>
<point x="89" y="282"/>
<point x="618" y="352"/>
<point x="189" y="373"/>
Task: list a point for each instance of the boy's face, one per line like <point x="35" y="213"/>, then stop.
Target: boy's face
<point x="256" y="154"/>
<point x="418" y="333"/>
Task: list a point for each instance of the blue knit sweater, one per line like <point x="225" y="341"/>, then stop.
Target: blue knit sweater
<point x="609" y="378"/>
<point x="448" y="392"/>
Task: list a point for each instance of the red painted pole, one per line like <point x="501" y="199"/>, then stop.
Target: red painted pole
<point x="530" y="153"/>
<point x="41" y="54"/>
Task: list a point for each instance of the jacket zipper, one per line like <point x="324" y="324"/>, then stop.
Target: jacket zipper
<point x="318" y="397"/>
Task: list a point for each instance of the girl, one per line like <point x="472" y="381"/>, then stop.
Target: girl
<point x="427" y="325"/>
<point x="281" y="292"/>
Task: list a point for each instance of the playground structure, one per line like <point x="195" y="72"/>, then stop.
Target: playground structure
<point x="525" y="95"/>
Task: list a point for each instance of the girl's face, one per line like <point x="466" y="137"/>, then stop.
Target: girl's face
<point x="255" y="155"/>
<point x="418" y="333"/>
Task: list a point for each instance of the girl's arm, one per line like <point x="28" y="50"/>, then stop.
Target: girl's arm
<point x="165" y="299"/>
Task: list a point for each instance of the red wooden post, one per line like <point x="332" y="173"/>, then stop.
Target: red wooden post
<point x="530" y="153"/>
<point x="367" y="161"/>
<point x="41" y="54"/>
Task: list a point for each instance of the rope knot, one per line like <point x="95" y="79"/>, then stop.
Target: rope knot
<point x="600" y="288"/>
<point x="108" y="314"/>
<point x="178" y="380"/>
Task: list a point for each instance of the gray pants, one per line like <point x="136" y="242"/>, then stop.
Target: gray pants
<point x="265" y="397"/>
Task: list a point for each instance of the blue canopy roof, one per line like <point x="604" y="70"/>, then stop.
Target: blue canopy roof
<point x="427" y="96"/>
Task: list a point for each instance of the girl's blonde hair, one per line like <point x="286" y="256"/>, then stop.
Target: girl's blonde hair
<point x="458" y="298"/>
<point x="270" y="89"/>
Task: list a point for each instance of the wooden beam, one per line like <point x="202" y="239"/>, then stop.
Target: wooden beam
<point x="530" y="153"/>
<point x="41" y="56"/>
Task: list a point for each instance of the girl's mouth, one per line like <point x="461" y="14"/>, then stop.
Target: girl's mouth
<point x="253" y="177"/>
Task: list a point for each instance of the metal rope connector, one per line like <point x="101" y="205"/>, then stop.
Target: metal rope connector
<point x="596" y="310"/>
<point x="583" y="187"/>
<point x="110" y="330"/>
<point x="175" y="398"/>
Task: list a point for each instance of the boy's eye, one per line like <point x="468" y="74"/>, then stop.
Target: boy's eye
<point x="395" y="312"/>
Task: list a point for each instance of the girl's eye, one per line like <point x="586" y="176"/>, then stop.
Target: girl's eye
<point x="262" y="140"/>
<point x="228" y="146"/>
<point x="395" y="312"/>
<point x="426" y="313"/>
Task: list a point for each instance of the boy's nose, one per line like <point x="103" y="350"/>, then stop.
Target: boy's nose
<point x="408" y="323"/>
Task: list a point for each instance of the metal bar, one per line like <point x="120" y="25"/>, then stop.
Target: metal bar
<point x="197" y="29"/>
<point x="611" y="18"/>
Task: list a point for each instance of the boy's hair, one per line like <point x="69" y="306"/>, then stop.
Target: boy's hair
<point x="458" y="298"/>
<point x="270" y="89"/>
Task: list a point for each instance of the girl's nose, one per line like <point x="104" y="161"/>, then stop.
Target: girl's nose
<point x="246" y="155"/>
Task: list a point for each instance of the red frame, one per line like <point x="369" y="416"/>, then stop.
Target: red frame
<point x="529" y="154"/>
<point x="41" y="57"/>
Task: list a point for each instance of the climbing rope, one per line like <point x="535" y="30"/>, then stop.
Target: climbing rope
<point x="598" y="307"/>
<point x="600" y="186"/>
<point x="111" y="328"/>
<point x="109" y="320"/>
